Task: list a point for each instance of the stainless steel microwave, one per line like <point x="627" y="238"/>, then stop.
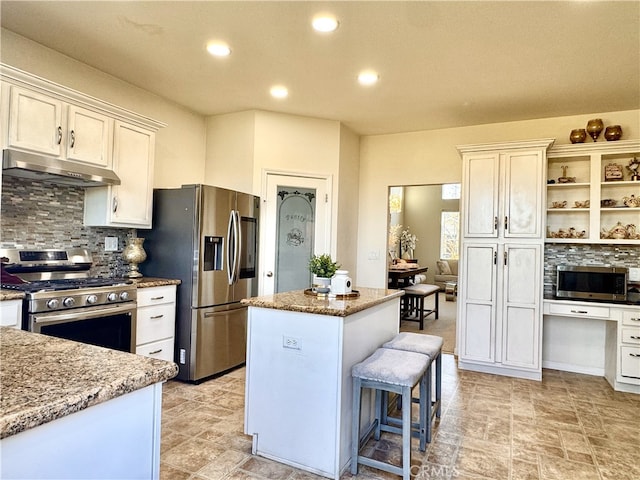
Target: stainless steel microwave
<point x="592" y="283"/>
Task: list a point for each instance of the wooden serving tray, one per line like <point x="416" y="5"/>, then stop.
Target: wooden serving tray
<point x="353" y="294"/>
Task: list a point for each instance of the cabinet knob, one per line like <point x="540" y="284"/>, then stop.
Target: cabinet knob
<point x="72" y="135"/>
<point x="59" y="135"/>
<point x="269" y="274"/>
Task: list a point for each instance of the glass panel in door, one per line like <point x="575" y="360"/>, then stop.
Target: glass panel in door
<point x="295" y="231"/>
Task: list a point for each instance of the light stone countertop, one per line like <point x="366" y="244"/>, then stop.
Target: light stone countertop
<point x="143" y="282"/>
<point x="6" y="295"/>
<point x="44" y="378"/>
<point x="298" y="301"/>
<point x="146" y="282"/>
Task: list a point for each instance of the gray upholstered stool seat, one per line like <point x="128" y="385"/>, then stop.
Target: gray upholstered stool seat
<point x="395" y="371"/>
<point x="431" y="346"/>
<point x="413" y="302"/>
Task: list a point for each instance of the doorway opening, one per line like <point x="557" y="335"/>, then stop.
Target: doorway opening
<point x="424" y="228"/>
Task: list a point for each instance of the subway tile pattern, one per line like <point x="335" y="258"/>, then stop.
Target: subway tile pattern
<point x="43" y="215"/>
<point x="569" y="426"/>
<point x="586" y="254"/>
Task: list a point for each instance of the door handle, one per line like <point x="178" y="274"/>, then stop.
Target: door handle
<point x="269" y="274"/>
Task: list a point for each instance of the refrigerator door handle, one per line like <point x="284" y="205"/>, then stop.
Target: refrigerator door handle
<point x="238" y="247"/>
<point x="231" y="240"/>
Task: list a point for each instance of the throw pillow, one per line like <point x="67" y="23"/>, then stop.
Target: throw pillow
<point x="444" y="267"/>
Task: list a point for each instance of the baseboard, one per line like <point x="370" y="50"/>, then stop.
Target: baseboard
<point x="568" y="367"/>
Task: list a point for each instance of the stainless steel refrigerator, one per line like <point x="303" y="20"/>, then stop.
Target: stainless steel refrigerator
<point x="208" y="238"/>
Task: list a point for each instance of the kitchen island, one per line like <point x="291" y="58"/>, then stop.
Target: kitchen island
<point x="300" y="350"/>
<point x="73" y="410"/>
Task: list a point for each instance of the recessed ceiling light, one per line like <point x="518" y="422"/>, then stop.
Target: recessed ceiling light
<point x="324" y="23"/>
<point x="368" y="77"/>
<point x="219" y="49"/>
<point x="278" y="91"/>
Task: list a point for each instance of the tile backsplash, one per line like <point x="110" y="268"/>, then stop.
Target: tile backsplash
<point x="43" y="215"/>
<point x="586" y="254"/>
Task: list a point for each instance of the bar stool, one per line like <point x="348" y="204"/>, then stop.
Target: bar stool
<point x="413" y="302"/>
<point x="431" y="346"/>
<point x="387" y="370"/>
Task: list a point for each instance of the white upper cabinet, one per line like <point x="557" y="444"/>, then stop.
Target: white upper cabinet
<point x="503" y="189"/>
<point x="35" y="122"/>
<point x="40" y="116"/>
<point x="89" y="136"/>
<point x="130" y="203"/>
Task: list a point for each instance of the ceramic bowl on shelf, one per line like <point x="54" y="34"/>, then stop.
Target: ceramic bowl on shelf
<point x="608" y="202"/>
<point x="579" y="135"/>
<point x="613" y="133"/>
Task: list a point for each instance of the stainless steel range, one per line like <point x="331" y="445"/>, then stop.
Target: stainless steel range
<point x="62" y="300"/>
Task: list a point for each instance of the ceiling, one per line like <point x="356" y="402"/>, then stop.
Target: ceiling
<point x="441" y="64"/>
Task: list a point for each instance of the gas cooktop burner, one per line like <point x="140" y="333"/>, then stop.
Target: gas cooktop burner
<point x="65" y="284"/>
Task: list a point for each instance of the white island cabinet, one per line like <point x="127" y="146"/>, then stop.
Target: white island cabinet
<point x="76" y="411"/>
<point x="300" y="350"/>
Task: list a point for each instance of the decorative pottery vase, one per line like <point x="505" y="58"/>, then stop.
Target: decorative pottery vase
<point x="613" y="133"/>
<point x="134" y="254"/>
<point x="594" y="127"/>
<point x="578" y="135"/>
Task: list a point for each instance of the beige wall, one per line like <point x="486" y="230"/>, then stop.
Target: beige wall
<point x="180" y="147"/>
<point x="230" y="152"/>
<point x="429" y="157"/>
<point x="347" y="201"/>
<point x="422" y="207"/>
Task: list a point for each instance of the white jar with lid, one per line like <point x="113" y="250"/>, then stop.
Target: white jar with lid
<point x="341" y="283"/>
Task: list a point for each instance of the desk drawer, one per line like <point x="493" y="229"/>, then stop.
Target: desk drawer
<point x="631" y="317"/>
<point x="630" y="362"/>
<point x="631" y="335"/>
<point x="579" y="310"/>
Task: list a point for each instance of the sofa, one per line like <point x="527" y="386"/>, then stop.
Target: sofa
<point x="446" y="271"/>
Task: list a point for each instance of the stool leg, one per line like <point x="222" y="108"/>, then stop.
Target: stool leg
<point x="439" y="383"/>
<point x="421" y="312"/>
<point x="437" y="304"/>
<point x="425" y="409"/>
<point x="380" y="414"/>
<point x="355" y="426"/>
<point x="428" y="402"/>
<point x="406" y="433"/>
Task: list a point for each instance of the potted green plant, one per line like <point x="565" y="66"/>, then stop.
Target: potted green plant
<point x="323" y="267"/>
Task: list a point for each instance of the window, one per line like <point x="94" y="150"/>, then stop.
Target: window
<point x="451" y="191"/>
<point x="449" y="235"/>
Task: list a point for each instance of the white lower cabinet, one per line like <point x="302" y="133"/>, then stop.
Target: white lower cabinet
<point x="11" y="313"/>
<point x="156" y="318"/>
<point x="500" y="309"/>
<point x="629" y="347"/>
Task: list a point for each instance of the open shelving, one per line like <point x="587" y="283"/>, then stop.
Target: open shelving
<point x="575" y="213"/>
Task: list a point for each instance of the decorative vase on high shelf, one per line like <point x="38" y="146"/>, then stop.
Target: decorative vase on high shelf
<point x="594" y="128"/>
<point x="134" y="254"/>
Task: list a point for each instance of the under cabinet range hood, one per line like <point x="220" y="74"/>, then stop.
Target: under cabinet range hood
<point x="55" y="170"/>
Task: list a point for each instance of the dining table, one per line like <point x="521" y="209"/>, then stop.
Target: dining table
<point x="401" y="275"/>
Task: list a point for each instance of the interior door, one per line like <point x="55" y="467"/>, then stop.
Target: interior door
<point x="297" y="223"/>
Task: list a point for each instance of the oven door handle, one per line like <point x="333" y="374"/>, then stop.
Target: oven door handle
<point x="79" y="314"/>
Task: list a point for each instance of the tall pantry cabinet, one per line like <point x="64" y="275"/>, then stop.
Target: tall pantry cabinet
<point x="501" y="261"/>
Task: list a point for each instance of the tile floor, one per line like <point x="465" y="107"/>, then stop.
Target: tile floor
<point x="567" y="427"/>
